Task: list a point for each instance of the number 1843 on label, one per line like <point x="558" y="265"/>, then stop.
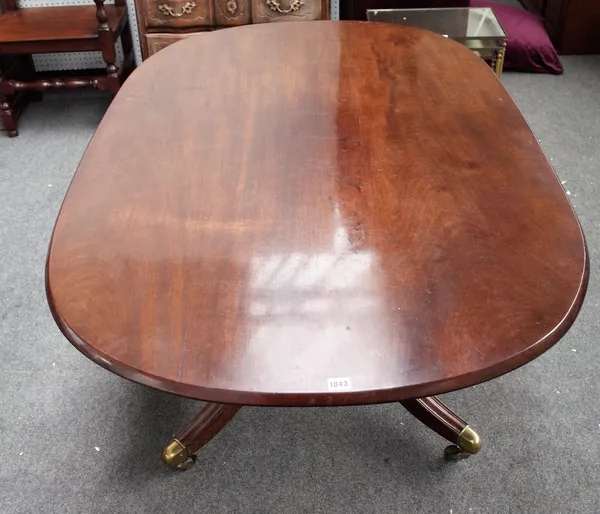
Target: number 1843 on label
<point x="339" y="384"/>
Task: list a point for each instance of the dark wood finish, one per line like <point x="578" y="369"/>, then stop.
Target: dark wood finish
<point x="14" y="102"/>
<point x="554" y="12"/>
<point x="376" y="208"/>
<point x="538" y="5"/>
<point x="63" y="29"/>
<point x="432" y="412"/>
<point x="163" y="22"/>
<point x="532" y="5"/>
<point x="9" y="115"/>
<point x="357" y="9"/>
<point x="208" y="423"/>
<point x="573" y="25"/>
<point x="103" y="83"/>
<point x="8" y="5"/>
<point x="57" y="83"/>
<point x="82" y="45"/>
<point x="179" y="455"/>
<point x="58" y="24"/>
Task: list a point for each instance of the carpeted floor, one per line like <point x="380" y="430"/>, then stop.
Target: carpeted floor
<point x="76" y="439"/>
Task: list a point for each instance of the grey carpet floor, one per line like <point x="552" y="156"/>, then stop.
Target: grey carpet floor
<point x="76" y="439"/>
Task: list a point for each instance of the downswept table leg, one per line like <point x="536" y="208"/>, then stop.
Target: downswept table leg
<point x="432" y="412"/>
<point x="187" y="441"/>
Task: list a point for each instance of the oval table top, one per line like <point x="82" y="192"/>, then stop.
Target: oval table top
<point x="318" y="213"/>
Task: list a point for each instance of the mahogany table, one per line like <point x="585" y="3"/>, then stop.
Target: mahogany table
<point x="315" y="214"/>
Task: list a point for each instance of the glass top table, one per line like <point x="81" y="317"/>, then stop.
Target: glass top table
<point x="476" y="28"/>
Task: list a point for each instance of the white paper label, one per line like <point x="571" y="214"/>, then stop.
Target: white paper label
<point x="339" y="384"/>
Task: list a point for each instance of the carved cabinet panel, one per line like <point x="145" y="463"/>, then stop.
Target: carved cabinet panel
<point x="232" y="12"/>
<point x="178" y="13"/>
<point x="276" y="10"/>
<point x="157" y="42"/>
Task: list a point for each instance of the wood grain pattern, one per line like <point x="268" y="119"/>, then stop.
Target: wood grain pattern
<point x="432" y="412"/>
<point x="376" y="208"/>
<point x="208" y="423"/>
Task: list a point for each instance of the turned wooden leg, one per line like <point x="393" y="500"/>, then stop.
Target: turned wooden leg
<point x="107" y="47"/>
<point x="109" y="55"/>
<point x="8" y="117"/>
<point x="209" y="422"/>
<point x="432" y="412"/>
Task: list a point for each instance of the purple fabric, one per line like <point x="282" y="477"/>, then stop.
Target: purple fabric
<point x="528" y="47"/>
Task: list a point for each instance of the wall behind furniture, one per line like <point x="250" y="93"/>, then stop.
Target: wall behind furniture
<point x="83" y="60"/>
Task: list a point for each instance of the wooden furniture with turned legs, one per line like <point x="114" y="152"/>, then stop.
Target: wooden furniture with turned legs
<point x="316" y="228"/>
<point x="61" y="29"/>
<point x="213" y="417"/>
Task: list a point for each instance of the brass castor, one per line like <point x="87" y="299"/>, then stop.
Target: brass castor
<point x="177" y="457"/>
<point x="468" y="443"/>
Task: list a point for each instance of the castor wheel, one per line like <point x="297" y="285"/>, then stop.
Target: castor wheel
<point x="469" y="443"/>
<point x="455" y="453"/>
<point x="176" y="456"/>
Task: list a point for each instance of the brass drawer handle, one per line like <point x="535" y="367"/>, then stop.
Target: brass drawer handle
<point x="231" y="7"/>
<point x="169" y="11"/>
<point x="276" y="6"/>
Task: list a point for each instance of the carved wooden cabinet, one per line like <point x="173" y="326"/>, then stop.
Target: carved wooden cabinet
<point x="163" y="22"/>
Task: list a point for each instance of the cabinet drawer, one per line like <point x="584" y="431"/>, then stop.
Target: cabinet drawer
<point x="276" y="10"/>
<point x="157" y="42"/>
<point x="178" y="13"/>
<point x="232" y="12"/>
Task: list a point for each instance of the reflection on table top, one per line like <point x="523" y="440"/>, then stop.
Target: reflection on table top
<point x="456" y="23"/>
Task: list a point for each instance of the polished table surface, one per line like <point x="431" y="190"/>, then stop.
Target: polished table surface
<point x="266" y="208"/>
